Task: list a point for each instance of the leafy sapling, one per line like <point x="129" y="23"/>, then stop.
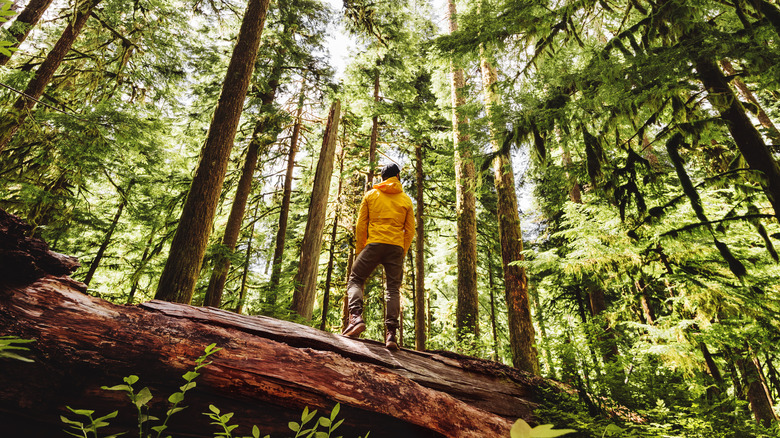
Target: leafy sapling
<point x="141" y="401"/>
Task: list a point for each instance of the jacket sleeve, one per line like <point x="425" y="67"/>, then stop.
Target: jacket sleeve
<point x="409" y="228"/>
<point x="361" y="228"/>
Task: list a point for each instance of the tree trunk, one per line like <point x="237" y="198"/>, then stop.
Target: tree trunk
<point x="332" y="256"/>
<point x="182" y="268"/>
<point x="467" y="309"/>
<point x="757" y="392"/>
<point x="420" y="328"/>
<point x="306" y="279"/>
<point x="281" y="231"/>
<point x="745" y="135"/>
<point x="746" y="93"/>
<point x="104" y="245"/>
<point x="374" y="132"/>
<point x="245" y="274"/>
<point x="263" y="137"/>
<point x="14" y="118"/>
<point x="24" y="23"/>
<point x="521" y="329"/>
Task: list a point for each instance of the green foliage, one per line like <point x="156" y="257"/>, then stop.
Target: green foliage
<point x="6" y="47"/>
<point x="141" y="400"/>
<point x="9" y="344"/>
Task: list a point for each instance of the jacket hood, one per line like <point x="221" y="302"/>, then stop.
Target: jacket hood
<point x="390" y="186"/>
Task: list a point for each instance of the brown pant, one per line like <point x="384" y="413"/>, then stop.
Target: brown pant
<point x="373" y="255"/>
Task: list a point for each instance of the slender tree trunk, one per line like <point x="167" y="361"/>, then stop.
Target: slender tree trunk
<point x="332" y="256"/>
<point x="772" y="374"/>
<point x="420" y="328"/>
<point x="24" y="23"/>
<point x="182" y="268"/>
<point x="467" y="309"/>
<point x="281" y="231"/>
<point x="746" y="93"/>
<point x="745" y="135"/>
<point x="107" y="239"/>
<point x="713" y="371"/>
<point x="13" y="119"/>
<point x="521" y="329"/>
<point x="492" y="289"/>
<point x="306" y="279"/>
<point x="374" y="133"/>
<point x="245" y="274"/>
<point x="263" y="137"/>
<point x="345" y="301"/>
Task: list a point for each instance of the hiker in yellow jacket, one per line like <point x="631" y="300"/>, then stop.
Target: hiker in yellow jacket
<point x="384" y="232"/>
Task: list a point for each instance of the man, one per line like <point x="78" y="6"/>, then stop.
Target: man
<point x="384" y="232"/>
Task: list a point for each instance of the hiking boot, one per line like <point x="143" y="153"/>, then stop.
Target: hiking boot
<point x="390" y="341"/>
<point x="356" y="326"/>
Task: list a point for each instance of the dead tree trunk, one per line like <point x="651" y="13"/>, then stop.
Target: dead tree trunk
<point x="420" y="330"/>
<point x="306" y="279"/>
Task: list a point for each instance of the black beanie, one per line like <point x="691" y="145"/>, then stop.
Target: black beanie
<point x="390" y="171"/>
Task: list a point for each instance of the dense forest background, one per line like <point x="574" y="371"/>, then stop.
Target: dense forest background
<point x="206" y="152"/>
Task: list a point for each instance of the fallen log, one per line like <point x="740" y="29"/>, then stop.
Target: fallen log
<point x="266" y="372"/>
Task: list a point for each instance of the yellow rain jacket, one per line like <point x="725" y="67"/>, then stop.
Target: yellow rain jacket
<point x="386" y="216"/>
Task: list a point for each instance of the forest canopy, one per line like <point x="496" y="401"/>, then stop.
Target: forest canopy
<point x="596" y="182"/>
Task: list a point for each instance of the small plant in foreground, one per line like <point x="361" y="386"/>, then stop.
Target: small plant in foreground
<point x="141" y="401"/>
<point x="301" y="429"/>
<point x="8" y="343"/>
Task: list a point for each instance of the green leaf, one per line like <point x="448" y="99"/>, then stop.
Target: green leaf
<point x="335" y="411"/>
<point x="116" y="388"/>
<point x="143" y="418"/>
<point x="190" y="376"/>
<point x="106" y="417"/>
<point x="338" y="423"/>
<point x="172" y="411"/>
<point x="321" y="435"/>
<point x="305" y="418"/>
<point x="69" y="421"/>
<point x="520" y="429"/>
<point x="214" y="409"/>
<point x="255" y="431"/>
<point x="295" y="427"/>
<point x="324" y="422"/>
<point x="225" y="418"/>
<point x="176" y="397"/>
<point x="159" y="429"/>
<point x="187" y="386"/>
<point x="86" y="412"/>
<point x="546" y="431"/>
<point x="143" y="397"/>
<point x="130" y="380"/>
